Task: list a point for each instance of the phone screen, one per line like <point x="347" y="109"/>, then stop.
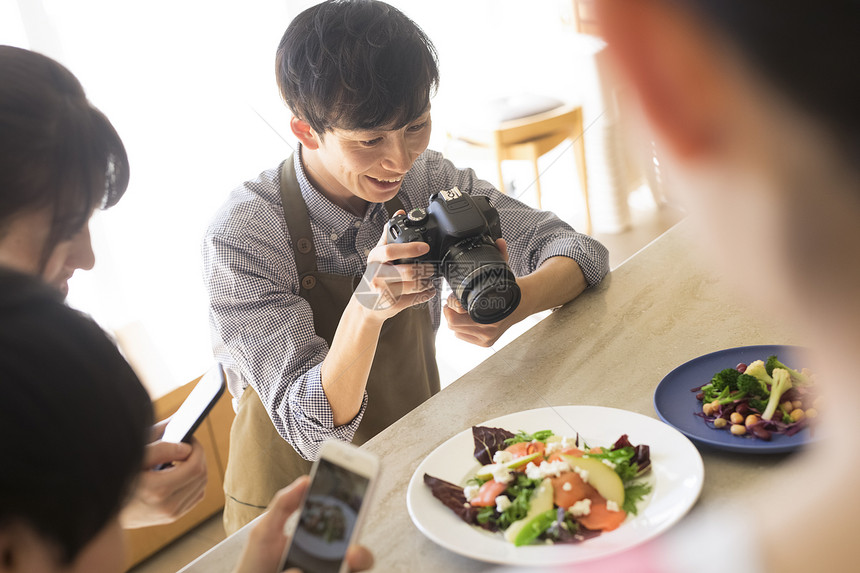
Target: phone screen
<point x="192" y="411"/>
<point x="327" y="519"/>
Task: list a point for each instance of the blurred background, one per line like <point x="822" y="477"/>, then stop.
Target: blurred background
<point x="190" y="87"/>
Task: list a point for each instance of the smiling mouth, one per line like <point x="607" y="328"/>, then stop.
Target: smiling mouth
<point x="395" y="180"/>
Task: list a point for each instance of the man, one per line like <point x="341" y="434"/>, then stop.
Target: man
<point x="306" y="359"/>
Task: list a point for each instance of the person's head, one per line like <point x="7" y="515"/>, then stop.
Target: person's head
<point x="60" y="159"/>
<point x="75" y="420"/>
<point x="754" y="107"/>
<point x="358" y="76"/>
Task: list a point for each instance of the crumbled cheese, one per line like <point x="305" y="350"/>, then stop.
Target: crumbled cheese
<point x="567" y="486"/>
<point x="502" y="503"/>
<point x="562" y="444"/>
<point x="501" y="457"/>
<point x="467" y="504"/>
<point x="552" y="447"/>
<point x="502" y="474"/>
<point x="580" y="508"/>
<point x="583" y="474"/>
<point x="611" y="505"/>
<point x="470" y="491"/>
<point x="608" y="463"/>
<point x="546" y="469"/>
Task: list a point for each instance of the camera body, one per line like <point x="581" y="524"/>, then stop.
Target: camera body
<point x="462" y="231"/>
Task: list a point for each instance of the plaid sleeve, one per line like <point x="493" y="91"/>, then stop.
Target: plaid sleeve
<point x="264" y="332"/>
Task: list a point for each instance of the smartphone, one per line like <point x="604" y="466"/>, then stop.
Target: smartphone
<point x="194" y="409"/>
<point x="342" y="481"/>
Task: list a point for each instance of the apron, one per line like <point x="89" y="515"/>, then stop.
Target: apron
<point x="403" y="375"/>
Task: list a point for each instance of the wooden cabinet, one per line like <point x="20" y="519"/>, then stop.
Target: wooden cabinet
<point x="214" y="435"/>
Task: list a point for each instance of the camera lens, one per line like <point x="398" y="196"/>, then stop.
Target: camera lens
<point x="481" y="280"/>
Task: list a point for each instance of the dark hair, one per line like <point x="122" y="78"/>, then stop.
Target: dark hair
<point x="808" y="51"/>
<point x="356" y="65"/>
<point x="56" y="150"/>
<point x="73" y="415"/>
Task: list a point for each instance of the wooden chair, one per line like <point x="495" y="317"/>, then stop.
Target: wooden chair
<point x="530" y="137"/>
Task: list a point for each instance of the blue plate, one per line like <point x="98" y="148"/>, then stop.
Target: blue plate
<point x="677" y="405"/>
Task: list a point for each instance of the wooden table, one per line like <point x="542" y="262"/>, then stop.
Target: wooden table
<point x="610" y="347"/>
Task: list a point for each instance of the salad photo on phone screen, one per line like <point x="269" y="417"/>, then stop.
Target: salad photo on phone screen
<point x="327" y="519"/>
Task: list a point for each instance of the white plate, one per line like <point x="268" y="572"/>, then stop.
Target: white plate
<point x="676" y="477"/>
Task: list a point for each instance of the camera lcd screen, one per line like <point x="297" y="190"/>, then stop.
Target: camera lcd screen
<point x="327" y="520"/>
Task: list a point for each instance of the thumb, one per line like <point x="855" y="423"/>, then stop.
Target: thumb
<point x="383" y="240"/>
<point x="502" y="245"/>
<point x="158" y="453"/>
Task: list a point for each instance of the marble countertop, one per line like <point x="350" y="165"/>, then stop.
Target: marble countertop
<point x="609" y="347"/>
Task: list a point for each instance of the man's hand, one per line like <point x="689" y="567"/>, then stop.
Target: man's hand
<point x="386" y="288"/>
<point x="267" y="540"/>
<point x="163" y="496"/>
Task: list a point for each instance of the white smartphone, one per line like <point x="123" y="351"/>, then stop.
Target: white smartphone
<point x="342" y="482"/>
<point x="196" y="406"/>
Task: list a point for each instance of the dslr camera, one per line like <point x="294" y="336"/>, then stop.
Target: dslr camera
<point x="461" y="231"/>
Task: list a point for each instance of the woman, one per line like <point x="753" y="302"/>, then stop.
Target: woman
<point x="60" y="160"/>
<point x="754" y="106"/>
<point x="75" y="421"/>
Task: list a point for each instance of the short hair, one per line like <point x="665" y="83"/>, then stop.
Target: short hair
<point x="56" y="149"/>
<point x="808" y="54"/>
<point x="358" y="64"/>
<point x="73" y="415"/>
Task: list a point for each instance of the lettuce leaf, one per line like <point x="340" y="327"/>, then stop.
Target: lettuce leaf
<point x="452" y="497"/>
<point x="488" y="441"/>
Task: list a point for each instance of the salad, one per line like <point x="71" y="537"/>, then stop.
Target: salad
<point x="759" y="399"/>
<point x="546" y="488"/>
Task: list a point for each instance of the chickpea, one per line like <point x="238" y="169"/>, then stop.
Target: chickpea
<point x="811" y="413"/>
<point x="787" y="406"/>
<point x="796" y="404"/>
<point x="736" y="418"/>
<point x="707" y="409"/>
<point x="797" y="415"/>
<point x="738" y="430"/>
<point x="752" y="420"/>
<point x="715" y="404"/>
<point x="720" y="423"/>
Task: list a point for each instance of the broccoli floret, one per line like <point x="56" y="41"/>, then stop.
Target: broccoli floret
<point x="758" y="370"/>
<point x="760" y="405"/>
<point x="781" y="384"/>
<point x="710" y="393"/>
<point x="800" y="378"/>
<point x="752" y="386"/>
<point x="727" y="378"/>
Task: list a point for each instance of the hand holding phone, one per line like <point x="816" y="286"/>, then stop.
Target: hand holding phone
<point x="342" y="481"/>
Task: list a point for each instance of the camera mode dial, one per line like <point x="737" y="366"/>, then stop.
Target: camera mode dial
<point x="417" y="215"/>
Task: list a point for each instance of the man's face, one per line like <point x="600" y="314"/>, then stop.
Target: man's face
<point x="23" y="242"/>
<point x="352" y="167"/>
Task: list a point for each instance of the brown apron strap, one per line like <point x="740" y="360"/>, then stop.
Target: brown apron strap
<point x="297" y="219"/>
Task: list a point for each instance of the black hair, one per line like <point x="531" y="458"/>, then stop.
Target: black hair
<point x="358" y="64"/>
<point x="57" y="150"/>
<point x="808" y="51"/>
<point x="73" y="415"/>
